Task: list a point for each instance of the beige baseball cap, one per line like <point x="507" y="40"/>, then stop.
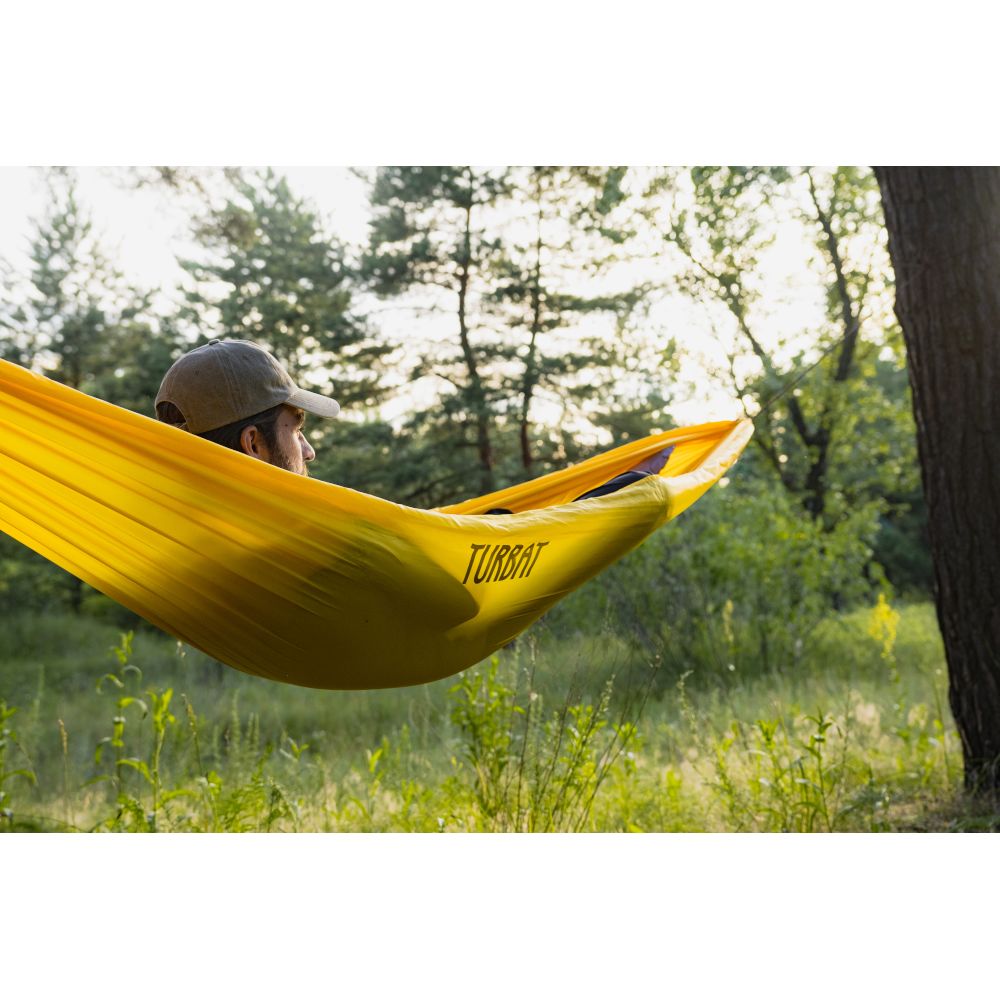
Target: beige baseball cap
<point x="228" y="380"/>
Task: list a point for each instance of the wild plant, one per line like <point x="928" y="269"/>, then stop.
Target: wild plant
<point x="131" y="812"/>
<point x="817" y="777"/>
<point x="64" y="746"/>
<point x="194" y="732"/>
<point x="768" y="776"/>
<point x="750" y="577"/>
<point x="256" y="804"/>
<point x="8" y="740"/>
<point x="362" y="806"/>
<point x="163" y="720"/>
<point x="770" y="780"/>
<point x="129" y="809"/>
<point x="883" y="623"/>
<point x="483" y="708"/>
<point x="533" y="770"/>
<point x="238" y="744"/>
<point x="239" y="794"/>
<point x="208" y="784"/>
<point x="385" y="795"/>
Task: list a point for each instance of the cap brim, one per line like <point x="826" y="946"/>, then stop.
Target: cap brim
<point x="313" y="402"/>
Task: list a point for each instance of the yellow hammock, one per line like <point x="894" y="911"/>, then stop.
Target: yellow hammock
<point x="305" y="582"/>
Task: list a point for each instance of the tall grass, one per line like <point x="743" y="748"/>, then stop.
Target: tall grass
<point x="561" y="732"/>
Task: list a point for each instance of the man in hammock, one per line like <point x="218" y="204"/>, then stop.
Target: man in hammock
<point x="236" y="394"/>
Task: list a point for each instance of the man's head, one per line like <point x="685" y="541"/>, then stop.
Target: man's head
<point x="234" y="393"/>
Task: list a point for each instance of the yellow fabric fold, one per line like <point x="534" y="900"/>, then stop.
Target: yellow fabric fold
<point x="302" y="581"/>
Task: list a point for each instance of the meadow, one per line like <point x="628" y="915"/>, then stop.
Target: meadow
<point x="131" y="731"/>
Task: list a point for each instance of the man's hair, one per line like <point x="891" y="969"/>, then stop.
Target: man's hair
<point x="229" y="435"/>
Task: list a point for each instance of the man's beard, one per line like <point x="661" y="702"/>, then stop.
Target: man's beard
<point x="283" y="460"/>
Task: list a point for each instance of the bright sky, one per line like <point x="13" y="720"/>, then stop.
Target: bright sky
<point x="145" y="230"/>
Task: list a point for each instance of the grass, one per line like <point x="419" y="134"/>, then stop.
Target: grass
<point x="111" y="731"/>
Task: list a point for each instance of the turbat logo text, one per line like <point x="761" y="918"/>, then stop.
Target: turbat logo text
<point x="495" y="563"/>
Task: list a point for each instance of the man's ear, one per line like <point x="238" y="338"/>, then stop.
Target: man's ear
<point x="252" y="442"/>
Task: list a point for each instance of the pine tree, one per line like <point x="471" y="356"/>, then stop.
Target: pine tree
<point x="430" y="231"/>
<point x="75" y="317"/>
<point x="273" y="275"/>
<point x="511" y="255"/>
<point x="559" y="241"/>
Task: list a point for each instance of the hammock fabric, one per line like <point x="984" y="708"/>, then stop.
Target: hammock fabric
<point x="302" y="581"/>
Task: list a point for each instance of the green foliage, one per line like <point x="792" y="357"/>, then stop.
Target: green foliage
<point x="565" y="235"/>
<point x="428" y="232"/>
<point x="511" y="256"/>
<point x="794" y="785"/>
<point x="736" y="587"/>
<point x="74" y="316"/>
<point x="77" y="320"/>
<point x="8" y="743"/>
<point x="287" y="286"/>
<point x="120" y="683"/>
<point x="484" y="709"/>
<point x="843" y="437"/>
<point x="29" y="582"/>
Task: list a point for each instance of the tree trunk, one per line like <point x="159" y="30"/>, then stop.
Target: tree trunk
<point x="530" y="370"/>
<point x="943" y="225"/>
<point x="477" y="394"/>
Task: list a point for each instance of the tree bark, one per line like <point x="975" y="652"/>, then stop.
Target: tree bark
<point x="476" y="392"/>
<point x="530" y="370"/>
<point x="944" y="240"/>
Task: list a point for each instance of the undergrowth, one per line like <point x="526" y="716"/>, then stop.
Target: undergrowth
<point x="526" y="741"/>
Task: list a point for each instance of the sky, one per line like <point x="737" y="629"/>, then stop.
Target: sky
<point x="144" y="230"/>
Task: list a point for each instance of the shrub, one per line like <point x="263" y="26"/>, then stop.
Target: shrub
<point x="738" y="583"/>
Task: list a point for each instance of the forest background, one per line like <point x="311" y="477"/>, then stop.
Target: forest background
<point x="769" y="662"/>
